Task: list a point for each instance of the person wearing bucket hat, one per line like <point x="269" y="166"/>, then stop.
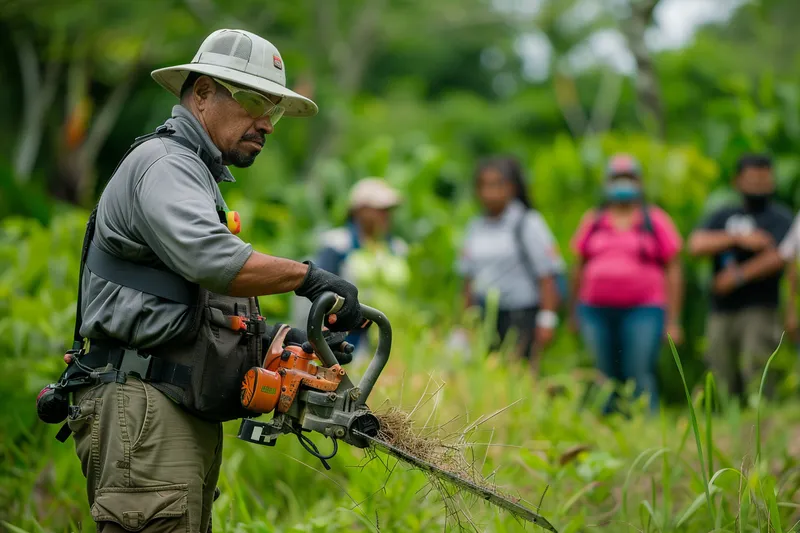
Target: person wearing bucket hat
<point x="627" y="281"/>
<point x="364" y="251"/>
<point x="167" y="301"/>
<point x="244" y="59"/>
<point x="245" y="76"/>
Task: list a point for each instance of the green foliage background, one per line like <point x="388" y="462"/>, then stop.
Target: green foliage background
<point x="415" y="92"/>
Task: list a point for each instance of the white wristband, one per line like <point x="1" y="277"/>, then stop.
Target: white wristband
<point x="547" y="319"/>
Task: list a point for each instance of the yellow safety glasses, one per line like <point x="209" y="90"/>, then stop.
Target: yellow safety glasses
<point x="257" y="105"/>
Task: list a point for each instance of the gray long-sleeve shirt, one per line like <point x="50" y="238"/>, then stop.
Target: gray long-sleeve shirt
<point x="160" y="209"/>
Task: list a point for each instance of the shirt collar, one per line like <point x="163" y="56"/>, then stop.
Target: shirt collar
<point x="186" y="125"/>
<point x="512" y="211"/>
<point x="355" y="234"/>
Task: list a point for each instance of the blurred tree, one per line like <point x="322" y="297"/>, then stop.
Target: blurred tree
<point x="91" y="54"/>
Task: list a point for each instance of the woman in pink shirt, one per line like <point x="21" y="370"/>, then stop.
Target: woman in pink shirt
<point x="628" y="281"/>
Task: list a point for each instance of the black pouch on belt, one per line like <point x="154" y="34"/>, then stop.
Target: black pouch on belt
<point x="226" y="344"/>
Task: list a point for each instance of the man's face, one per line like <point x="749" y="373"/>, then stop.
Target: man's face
<point x="238" y="135"/>
<point x="754" y="180"/>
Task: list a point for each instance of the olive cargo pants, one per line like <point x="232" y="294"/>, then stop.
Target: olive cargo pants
<point x="149" y="465"/>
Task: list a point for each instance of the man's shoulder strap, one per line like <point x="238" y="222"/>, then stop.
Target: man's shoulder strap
<point x="214" y="166"/>
<point x="162" y="283"/>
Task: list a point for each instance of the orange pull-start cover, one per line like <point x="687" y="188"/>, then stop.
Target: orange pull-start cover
<point x="261" y="389"/>
<point x="283" y="372"/>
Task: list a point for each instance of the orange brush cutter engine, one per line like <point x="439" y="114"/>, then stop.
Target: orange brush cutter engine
<point x="307" y="391"/>
<point x="277" y="382"/>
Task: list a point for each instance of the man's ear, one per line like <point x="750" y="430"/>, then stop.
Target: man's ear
<point x="202" y="92"/>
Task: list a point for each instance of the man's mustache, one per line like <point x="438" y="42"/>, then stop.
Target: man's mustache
<point x="255" y="138"/>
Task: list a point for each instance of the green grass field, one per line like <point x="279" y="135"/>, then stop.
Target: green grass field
<point x="684" y="470"/>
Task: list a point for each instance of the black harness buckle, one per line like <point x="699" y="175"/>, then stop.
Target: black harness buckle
<point x="135" y="363"/>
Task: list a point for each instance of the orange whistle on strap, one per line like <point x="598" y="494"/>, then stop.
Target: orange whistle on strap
<point x="230" y="219"/>
<point x="234" y="222"/>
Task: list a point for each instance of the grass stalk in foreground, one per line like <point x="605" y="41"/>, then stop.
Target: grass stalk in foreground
<point x="709" y="399"/>
<point x="761" y="396"/>
<point x="695" y="429"/>
<point x="769" y="489"/>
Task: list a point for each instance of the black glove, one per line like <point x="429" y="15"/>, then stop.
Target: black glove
<point x="342" y="350"/>
<point x="318" y="281"/>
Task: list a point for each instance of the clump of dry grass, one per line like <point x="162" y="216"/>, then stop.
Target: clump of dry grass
<point x="433" y="450"/>
<point x="398" y="429"/>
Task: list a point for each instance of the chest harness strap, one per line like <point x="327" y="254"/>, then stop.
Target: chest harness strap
<point x="52" y="402"/>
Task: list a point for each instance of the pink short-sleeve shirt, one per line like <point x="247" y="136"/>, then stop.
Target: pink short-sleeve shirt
<point x="625" y="268"/>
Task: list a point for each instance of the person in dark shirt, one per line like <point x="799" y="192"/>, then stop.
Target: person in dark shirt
<point x="744" y="322"/>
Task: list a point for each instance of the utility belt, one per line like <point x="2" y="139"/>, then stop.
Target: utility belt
<point x="201" y="371"/>
<point x="105" y="362"/>
<point x="202" y="374"/>
<point x="126" y="361"/>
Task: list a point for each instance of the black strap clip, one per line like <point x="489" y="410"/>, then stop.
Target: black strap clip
<point x="135" y="363"/>
<point x="63" y="433"/>
<point x="256" y="326"/>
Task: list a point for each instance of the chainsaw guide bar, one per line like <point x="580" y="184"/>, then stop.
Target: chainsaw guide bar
<point x="483" y="492"/>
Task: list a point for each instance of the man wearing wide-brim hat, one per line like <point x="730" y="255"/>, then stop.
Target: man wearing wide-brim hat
<point x="150" y="439"/>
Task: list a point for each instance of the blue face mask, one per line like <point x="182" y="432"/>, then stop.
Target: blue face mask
<point x="623" y="190"/>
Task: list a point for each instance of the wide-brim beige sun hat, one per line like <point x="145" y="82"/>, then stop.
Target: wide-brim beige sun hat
<point x="375" y="193"/>
<point x="245" y="59"/>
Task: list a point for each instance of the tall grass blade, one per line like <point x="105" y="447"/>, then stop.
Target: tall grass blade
<point x="709" y="398"/>
<point x="666" y="491"/>
<point x="363" y="519"/>
<point x="744" y="503"/>
<point x="13" y="528"/>
<point x="760" y="396"/>
<point x="651" y="514"/>
<point x="689" y="512"/>
<point x="578" y="495"/>
<point x="695" y="429"/>
<point x="625" y="486"/>
<point x="772" y="503"/>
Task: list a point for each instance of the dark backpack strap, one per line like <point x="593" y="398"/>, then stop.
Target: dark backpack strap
<point x="161" y="283"/>
<point x="214" y="166"/>
<point x="648" y="227"/>
<point x="87" y="240"/>
<point x="523" y="253"/>
<point x="598" y="219"/>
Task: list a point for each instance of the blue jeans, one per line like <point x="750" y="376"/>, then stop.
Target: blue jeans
<point x="626" y="343"/>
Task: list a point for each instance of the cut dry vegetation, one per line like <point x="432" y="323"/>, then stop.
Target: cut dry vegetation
<point x="448" y="460"/>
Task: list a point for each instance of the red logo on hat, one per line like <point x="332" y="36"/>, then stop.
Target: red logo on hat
<point x="276" y="60"/>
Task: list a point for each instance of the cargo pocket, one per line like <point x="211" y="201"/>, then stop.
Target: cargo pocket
<point x="84" y="422"/>
<point x="159" y="508"/>
<point x="83" y="414"/>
